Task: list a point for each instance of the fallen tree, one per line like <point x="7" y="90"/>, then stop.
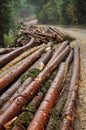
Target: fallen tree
<point x="8" y="57"/>
<point x="11" y="76"/>
<point x="16" y="106"/>
<point x="20" y="57"/>
<point x="68" y="112"/>
<point x="43" y="111"/>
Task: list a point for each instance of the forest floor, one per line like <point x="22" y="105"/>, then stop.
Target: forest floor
<point x="80" y="35"/>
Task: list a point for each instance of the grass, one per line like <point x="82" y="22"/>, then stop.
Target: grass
<point x="31" y="73"/>
<point x="9" y="39"/>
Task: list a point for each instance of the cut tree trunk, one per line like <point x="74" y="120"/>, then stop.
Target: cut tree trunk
<point x="20" y="57"/>
<point x="44" y="109"/>
<point x="15" y="108"/>
<point x="69" y="113"/>
<point x="8" y="57"/>
<point x="6" y="96"/>
<point x="11" y="76"/>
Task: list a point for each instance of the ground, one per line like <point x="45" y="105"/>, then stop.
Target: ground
<point x="80" y="35"/>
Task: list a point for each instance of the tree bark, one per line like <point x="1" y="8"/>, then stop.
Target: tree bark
<point x="15" y="108"/>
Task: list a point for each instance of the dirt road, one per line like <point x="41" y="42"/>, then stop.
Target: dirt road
<point x="80" y="35"/>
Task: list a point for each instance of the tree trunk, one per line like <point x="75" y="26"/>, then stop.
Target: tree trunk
<point x="2" y="40"/>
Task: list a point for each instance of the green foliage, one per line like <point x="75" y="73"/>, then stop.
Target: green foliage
<point x="26" y="116"/>
<point x="7" y="18"/>
<point x="48" y="82"/>
<point x="8" y="39"/>
<point x="60" y="11"/>
<point x="25" y="9"/>
<point x="31" y="73"/>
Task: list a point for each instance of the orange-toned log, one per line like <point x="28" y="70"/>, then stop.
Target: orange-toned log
<point x="44" y="109"/>
<point x="8" y="57"/>
<point x="59" y="50"/>
<point x="40" y="64"/>
<point x="35" y="103"/>
<point x="18" y="127"/>
<point x="12" y="97"/>
<point x="15" y="108"/>
<point x="2" y="127"/>
<point x="69" y="113"/>
<point x="11" y="76"/>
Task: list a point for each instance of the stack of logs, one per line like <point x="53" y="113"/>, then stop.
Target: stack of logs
<point x="24" y="105"/>
<point x="40" y="33"/>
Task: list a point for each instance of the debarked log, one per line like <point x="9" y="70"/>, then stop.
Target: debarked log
<point x="68" y="112"/>
<point x="28" y="93"/>
<point x="43" y="111"/>
<point x="8" y="57"/>
<point x="11" y="76"/>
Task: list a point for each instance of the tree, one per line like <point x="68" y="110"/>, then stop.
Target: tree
<point x="60" y="11"/>
<point x="6" y="18"/>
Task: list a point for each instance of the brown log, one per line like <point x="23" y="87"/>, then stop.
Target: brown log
<point x="2" y="127"/>
<point x="59" y="35"/>
<point x="11" y="76"/>
<point x="35" y="103"/>
<point x="5" y="96"/>
<point x="59" y="50"/>
<point x="57" y="110"/>
<point x="18" y="127"/>
<point x="50" y="44"/>
<point x="15" y="53"/>
<point x="15" y="107"/>
<point x="6" y="50"/>
<point x="43" y="111"/>
<point x="69" y="113"/>
<point x="20" y="57"/>
<point x="8" y="94"/>
<point x="40" y="64"/>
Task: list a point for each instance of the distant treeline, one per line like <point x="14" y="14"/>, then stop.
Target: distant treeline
<point x="60" y="11"/>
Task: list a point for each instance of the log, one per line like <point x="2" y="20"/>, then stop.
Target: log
<point x="6" y="50"/>
<point x="68" y="112"/>
<point x="28" y="93"/>
<point x="59" y="35"/>
<point x="20" y="87"/>
<point x="11" y="76"/>
<point x="40" y="64"/>
<point x="55" y="117"/>
<point x="5" y="59"/>
<point x="18" y="127"/>
<point x="50" y="44"/>
<point x="44" y="109"/>
<point x="59" y="50"/>
<point x="20" y="57"/>
<point x="2" y="127"/>
<point x="19" y="122"/>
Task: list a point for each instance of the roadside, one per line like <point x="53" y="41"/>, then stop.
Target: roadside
<point x="80" y="35"/>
